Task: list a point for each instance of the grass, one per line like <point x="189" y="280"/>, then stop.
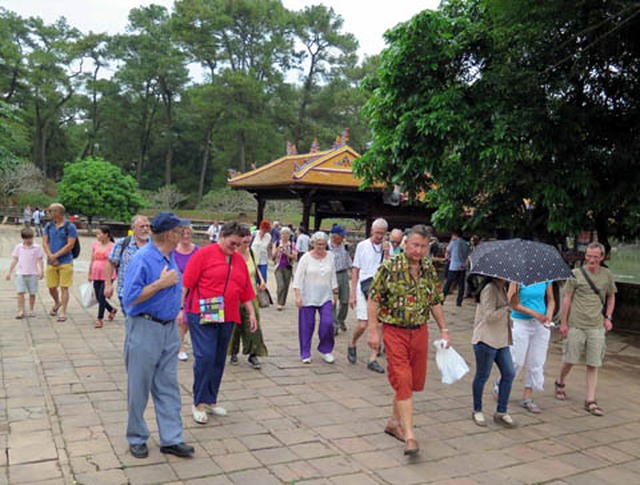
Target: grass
<point x="625" y="263"/>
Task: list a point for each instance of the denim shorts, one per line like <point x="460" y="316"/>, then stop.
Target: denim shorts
<point x="27" y="283"/>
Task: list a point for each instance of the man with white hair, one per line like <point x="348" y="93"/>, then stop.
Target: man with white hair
<point x="586" y="317"/>
<point x="369" y="255"/>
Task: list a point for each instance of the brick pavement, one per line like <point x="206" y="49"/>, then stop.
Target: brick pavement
<point x="63" y="414"/>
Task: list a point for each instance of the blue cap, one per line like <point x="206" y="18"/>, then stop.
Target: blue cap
<point x="338" y="229"/>
<point x="165" y="221"/>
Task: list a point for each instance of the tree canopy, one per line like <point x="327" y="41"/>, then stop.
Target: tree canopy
<point x="182" y="95"/>
<point x="95" y="187"/>
<point x="513" y="115"/>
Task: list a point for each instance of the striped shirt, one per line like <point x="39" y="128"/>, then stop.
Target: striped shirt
<point x="342" y="258"/>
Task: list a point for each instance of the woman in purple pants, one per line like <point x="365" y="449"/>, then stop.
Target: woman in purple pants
<point x="316" y="289"/>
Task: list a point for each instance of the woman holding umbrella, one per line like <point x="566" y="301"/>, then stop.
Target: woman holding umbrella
<point x="532" y="314"/>
<point x="491" y="340"/>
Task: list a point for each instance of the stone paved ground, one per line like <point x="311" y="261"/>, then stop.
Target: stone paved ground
<point x="63" y="414"/>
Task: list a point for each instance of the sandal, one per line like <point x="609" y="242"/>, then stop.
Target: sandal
<point x="98" y="324"/>
<point x="561" y="395"/>
<point x="62" y="318"/>
<point x="530" y="406"/>
<point x="54" y="310"/>
<point x="112" y="314"/>
<point x="592" y="408"/>
<point x="20" y="316"/>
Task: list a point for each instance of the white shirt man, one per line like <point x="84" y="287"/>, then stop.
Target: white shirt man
<point x="369" y="255"/>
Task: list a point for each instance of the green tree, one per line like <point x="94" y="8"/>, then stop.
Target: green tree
<point x="486" y="106"/>
<point x="326" y="50"/>
<point x="95" y="187"/>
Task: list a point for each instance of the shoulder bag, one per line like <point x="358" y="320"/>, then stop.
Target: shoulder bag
<point x="212" y="309"/>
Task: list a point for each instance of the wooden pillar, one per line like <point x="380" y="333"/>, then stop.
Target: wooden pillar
<point x="306" y="209"/>
<point x="261" y="204"/>
<point x="317" y="222"/>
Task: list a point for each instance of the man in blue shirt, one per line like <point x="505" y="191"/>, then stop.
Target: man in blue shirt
<point x="457" y="254"/>
<point x="152" y="297"/>
<point x="59" y="237"/>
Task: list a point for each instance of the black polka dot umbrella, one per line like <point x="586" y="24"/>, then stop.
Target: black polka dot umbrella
<point x="519" y="261"/>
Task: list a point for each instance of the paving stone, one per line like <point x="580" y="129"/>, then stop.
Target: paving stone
<point x="32" y="472"/>
<point x="271" y="456"/>
<point x="148" y="474"/>
<point x="236" y="461"/>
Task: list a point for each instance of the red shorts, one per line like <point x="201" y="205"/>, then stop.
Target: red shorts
<point x="406" y="351"/>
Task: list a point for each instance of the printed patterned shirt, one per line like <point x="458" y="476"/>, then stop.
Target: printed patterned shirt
<point x="403" y="300"/>
<point x="121" y="259"/>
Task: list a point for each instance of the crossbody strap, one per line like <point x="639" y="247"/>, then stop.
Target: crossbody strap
<point x="593" y="287"/>
<point x="226" y="281"/>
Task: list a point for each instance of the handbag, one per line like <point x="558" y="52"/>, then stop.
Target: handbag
<point x="365" y="286"/>
<point x="212" y="309"/>
<point x="264" y="298"/>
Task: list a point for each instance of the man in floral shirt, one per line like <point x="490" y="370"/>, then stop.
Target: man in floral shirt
<point x="404" y="293"/>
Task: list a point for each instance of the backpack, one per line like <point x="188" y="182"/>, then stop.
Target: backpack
<point x="125" y="243"/>
<point x="75" y="250"/>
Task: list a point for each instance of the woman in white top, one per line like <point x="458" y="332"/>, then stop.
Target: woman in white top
<point x="316" y="289"/>
<point x="261" y="247"/>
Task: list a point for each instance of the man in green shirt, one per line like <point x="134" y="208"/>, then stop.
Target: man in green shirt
<point x="404" y="293"/>
<point x="587" y="313"/>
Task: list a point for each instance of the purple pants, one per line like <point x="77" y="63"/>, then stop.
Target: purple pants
<point x="307" y="324"/>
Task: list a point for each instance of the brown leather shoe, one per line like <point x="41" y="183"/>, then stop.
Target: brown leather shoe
<point x="411" y="447"/>
<point x="395" y="430"/>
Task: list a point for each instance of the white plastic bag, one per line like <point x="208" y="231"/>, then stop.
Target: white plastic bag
<point x="87" y="295"/>
<point x="451" y="364"/>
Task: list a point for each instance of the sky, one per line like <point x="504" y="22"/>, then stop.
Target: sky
<point x="366" y="19"/>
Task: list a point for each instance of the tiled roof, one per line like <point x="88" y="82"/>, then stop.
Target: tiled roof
<point x="330" y="168"/>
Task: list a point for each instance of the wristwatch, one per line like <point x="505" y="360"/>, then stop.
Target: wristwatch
<point x="609" y="317"/>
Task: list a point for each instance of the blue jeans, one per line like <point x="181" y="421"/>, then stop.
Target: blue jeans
<point x="263" y="271"/>
<point x="485" y="357"/>
<point x="456" y="277"/>
<point x="210" y="343"/>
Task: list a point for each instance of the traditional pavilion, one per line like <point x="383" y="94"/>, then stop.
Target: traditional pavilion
<point x="325" y="183"/>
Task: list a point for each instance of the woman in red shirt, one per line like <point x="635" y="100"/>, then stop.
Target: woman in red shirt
<point x="215" y="271"/>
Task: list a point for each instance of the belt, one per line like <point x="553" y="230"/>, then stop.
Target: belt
<point x="146" y="316"/>
<point x="406" y="327"/>
<point x="341" y="271"/>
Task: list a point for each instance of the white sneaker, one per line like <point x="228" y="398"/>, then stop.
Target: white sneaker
<point x="479" y="418"/>
<point x="199" y="417"/>
<point x="183" y="356"/>
<point x="329" y="358"/>
<point x="215" y="410"/>
<point x="307" y="360"/>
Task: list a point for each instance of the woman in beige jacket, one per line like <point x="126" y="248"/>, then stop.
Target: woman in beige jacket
<point x="491" y="341"/>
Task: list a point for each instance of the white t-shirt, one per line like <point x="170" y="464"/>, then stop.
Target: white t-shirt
<point x="316" y="279"/>
<point x="214" y="232"/>
<point x="368" y="258"/>
<point x="259" y="247"/>
<point x="302" y="243"/>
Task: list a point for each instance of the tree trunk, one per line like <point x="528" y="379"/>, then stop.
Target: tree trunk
<point x="241" y="152"/>
<point x="205" y="163"/>
<point x="602" y="228"/>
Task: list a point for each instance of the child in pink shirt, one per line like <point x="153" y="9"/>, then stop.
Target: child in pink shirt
<point x="28" y="257"/>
